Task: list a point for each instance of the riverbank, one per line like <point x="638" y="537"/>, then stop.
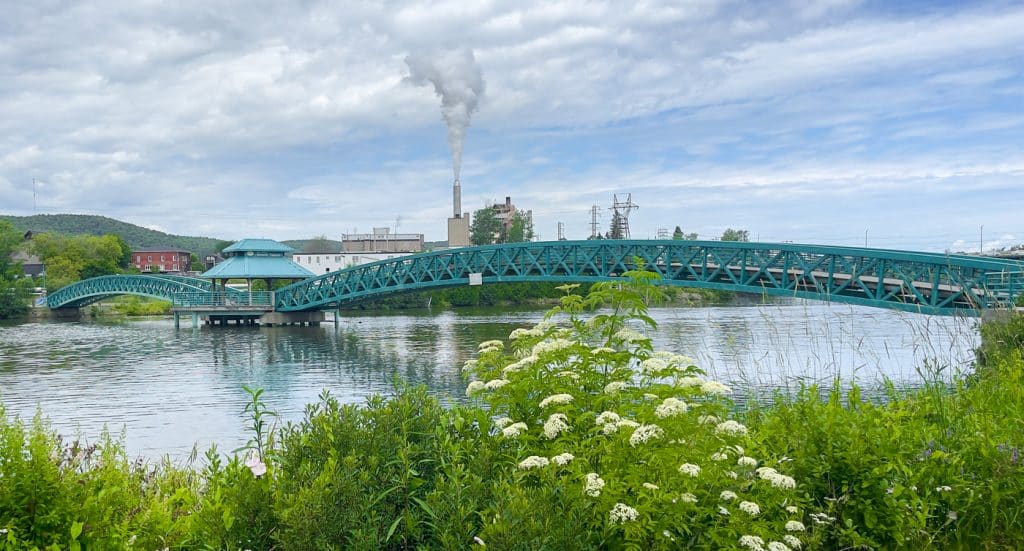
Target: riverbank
<point x="938" y="467"/>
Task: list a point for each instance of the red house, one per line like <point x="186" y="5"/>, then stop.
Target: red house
<point x="164" y="260"/>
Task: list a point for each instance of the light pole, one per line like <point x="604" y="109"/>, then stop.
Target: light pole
<point x="865" y="238"/>
<point x="981" y="238"/>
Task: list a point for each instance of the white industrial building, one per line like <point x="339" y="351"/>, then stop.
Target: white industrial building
<point x="321" y="263"/>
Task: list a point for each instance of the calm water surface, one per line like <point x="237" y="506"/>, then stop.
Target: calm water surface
<point x="169" y="389"/>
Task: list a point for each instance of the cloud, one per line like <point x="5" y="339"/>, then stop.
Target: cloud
<point x="793" y="122"/>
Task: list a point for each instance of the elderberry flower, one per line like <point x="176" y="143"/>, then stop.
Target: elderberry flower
<point x="689" y="469"/>
<point x="689" y="381"/>
<point x="644" y="433"/>
<point x="563" y="459"/>
<point x="520" y="333"/>
<point x="732" y="475"/>
<point x="792" y="541"/>
<point x="746" y="461"/>
<point x="607" y="417"/>
<point x="474" y="387"/>
<point x="621" y="513"/>
<point x="750" y="508"/>
<point x="488" y="346"/>
<point x="495" y="384"/>
<point x="715" y="387"/>
<point x="629" y="335"/>
<point x="795" y="526"/>
<point x="502" y="422"/>
<point x="707" y="419"/>
<point x="513" y="430"/>
<point x="719" y="456"/>
<point x="727" y="495"/>
<point x="603" y="350"/>
<point x="943" y="489"/>
<point x="688" y="498"/>
<point x="555" y="424"/>
<point x="753" y="543"/>
<point x="556" y="399"/>
<point x="533" y="462"/>
<point x="670" y="408"/>
<point x="551" y="346"/>
<point x="650" y="486"/>
<point x="615" y="387"/>
<point x="782" y="481"/>
<point x="593" y="484"/>
<point x="777" y="546"/>
<point x="792" y="509"/>
<point x="653" y="366"/>
<point x="731" y="427"/>
<point x="821" y="518"/>
<point x="723" y="511"/>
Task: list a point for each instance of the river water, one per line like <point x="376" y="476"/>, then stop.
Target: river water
<point x="169" y="390"/>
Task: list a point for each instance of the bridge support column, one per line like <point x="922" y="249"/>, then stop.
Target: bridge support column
<point x="177" y="320"/>
<point x="195" y="320"/>
<point x="337" y="317"/>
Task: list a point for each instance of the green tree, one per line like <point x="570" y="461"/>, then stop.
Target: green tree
<point x="14" y="287"/>
<point x="319" y="244"/>
<point x="196" y="263"/>
<point x="735" y="235"/>
<point x="485" y="228"/>
<point x="520" y="230"/>
<point x="615" y="231"/>
<point x="678" y="234"/>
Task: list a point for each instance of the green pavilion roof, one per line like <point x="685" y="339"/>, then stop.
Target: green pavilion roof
<point x="258" y="245"/>
<point x="257" y="259"/>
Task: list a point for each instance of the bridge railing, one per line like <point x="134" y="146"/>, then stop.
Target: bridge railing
<point x="1004" y="288"/>
<point x="261" y="300"/>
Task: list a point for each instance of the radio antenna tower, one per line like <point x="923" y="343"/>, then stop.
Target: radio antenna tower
<point x="595" y="211"/>
<point x="621" y="215"/>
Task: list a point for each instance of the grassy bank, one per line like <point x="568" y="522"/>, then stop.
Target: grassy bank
<point x="581" y="436"/>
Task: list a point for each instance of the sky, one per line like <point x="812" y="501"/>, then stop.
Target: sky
<point x="898" y="124"/>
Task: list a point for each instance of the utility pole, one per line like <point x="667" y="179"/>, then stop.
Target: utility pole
<point x="594" y="213"/>
<point x="981" y="239"/>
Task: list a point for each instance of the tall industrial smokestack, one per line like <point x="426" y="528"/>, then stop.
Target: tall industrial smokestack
<point x="457" y="198"/>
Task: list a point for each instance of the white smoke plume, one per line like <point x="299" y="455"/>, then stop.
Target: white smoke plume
<point x="457" y="79"/>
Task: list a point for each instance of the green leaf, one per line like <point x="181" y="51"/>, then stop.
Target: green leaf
<point x="391" y="531"/>
<point x="76" y="530"/>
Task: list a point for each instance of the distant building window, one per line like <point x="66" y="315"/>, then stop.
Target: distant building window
<point x="149" y="258"/>
<point x="318" y="260"/>
<point x="175" y="267"/>
<point x="161" y="258"/>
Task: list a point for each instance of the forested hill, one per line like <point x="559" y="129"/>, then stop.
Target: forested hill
<point x="136" y="236"/>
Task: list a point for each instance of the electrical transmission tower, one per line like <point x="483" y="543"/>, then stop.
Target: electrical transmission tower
<point x="595" y="211"/>
<point x="620" y="217"/>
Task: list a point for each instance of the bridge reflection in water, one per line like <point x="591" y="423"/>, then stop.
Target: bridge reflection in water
<point x="928" y="283"/>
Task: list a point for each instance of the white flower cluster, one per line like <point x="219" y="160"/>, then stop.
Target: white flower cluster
<point x="653" y="366"/>
<point x="746" y="461"/>
<point x="533" y="462"/>
<point x="707" y="419"/>
<point x="615" y="387"/>
<point x="514" y="430"/>
<point x="495" y="384"/>
<point x="651" y="397"/>
<point x="551" y="346"/>
<point x="750" y="508"/>
<point x="645" y="433"/>
<point x="793" y="541"/>
<point x="569" y="374"/>
<point x="593" y="485"/>
<point x="670" y="408"/>
<point x="556" y="399"/>
<point x="612" y="428"/>
<point x="777" y="546"/>
<point x="518" y="365"/>
<point x="727" y="495"/>
<point x="607" y="417"/>
<point x="520" y="333"/>
<point x="621" y="513"/>
<point x="650" y="486"/>
<point x="715" y="387"/>
<point x="732" y="475"/>
<point x="491" y="346"/>
<point x="470" y="365"/>
<point x="821" y="518"/>
<point x="689" y="381"/>
<point x="753" y="543"/>
<point x="689" y="469"/>
<point x="563" y="459"/>
<point x="777" y="479"/>
<point x="791" y="509"/>
<point x="719" y="456"/>
<point x="474" y="387"/>
<point x="603" y="350"/>
<point x="795" y="526"/>
<point x="688" y="498"/>
<point x="628" y="335"/>
<point x="554" y="426"/>
<point x="943" y="489"/>
<point x="502" y="422"/>
<point x="731" y="428"/>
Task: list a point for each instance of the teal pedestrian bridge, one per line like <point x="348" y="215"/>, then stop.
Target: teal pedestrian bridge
<point x="928" y="283"/>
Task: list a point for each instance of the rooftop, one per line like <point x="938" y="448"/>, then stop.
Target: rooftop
<point x="258" y="245"/>
<point x="257" y="267"/>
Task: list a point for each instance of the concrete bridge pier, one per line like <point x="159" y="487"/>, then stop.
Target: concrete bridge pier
<point x="289" y="318"/>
